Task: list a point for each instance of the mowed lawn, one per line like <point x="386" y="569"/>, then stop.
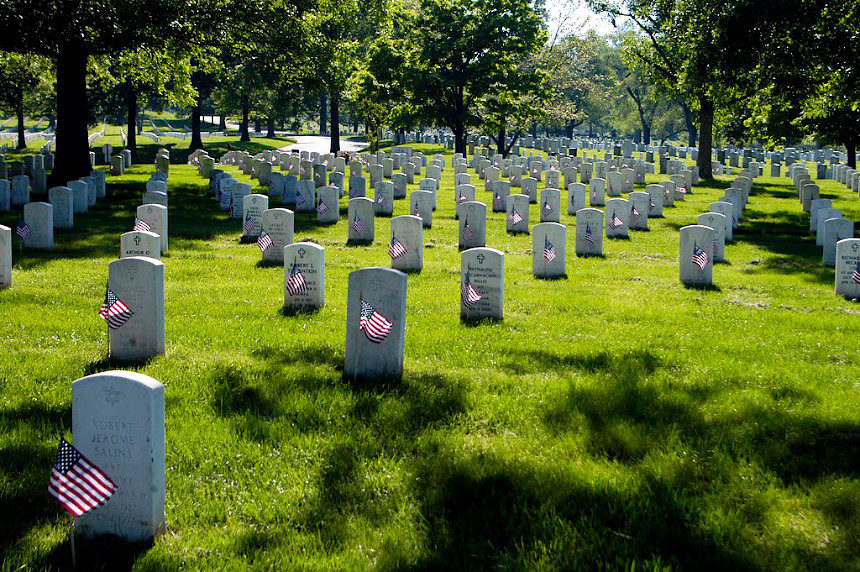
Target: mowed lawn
<point x="614" y="419"/>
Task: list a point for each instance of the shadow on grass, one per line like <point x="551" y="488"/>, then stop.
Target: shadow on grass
<point x="108" y="363"/>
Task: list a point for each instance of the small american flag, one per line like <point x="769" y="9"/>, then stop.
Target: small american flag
<point x="374" y="325"/>
<point x="589" y="238"/>
<point x="468" y="293"/>
<point x="396" y="248"/>
<point x="300" y="198"/>
<point x="547" y="209"/>
<point x="714" y="247"/>
<point x="615" y="222"/>
<point x="855" y="276"/>
<point x="467" y="231"/>
<point x="249" y="223"/>
<point x="415" y="211"/>
<point x="114" y="311"/>
<point x="322" y="208"/>
<point x="462" y="199"/>
<point x="296" y="282"/>
<point x="497" y="201"/>
<point x="265" y="241"/>
<point x="593" y="195"/>
<point x="514" y="217"/>
<point x="665" y="194"/>
<point x="513" y="178"/>
<point x="141" y="225"/>
<point x="380" y="200"/>
<point x="682" y="190"/>
<point x="700" y="257"/>
<point x="651" y="204"/>
<point x="76" y="483"/>
<point x="634" y="212"/>
<point x="23" y="230"/>
<point x="358" y="225"/>
<point x="548" y="250"/>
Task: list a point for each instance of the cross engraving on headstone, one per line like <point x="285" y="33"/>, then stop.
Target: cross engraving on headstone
<point x="480" y="258"/>
<point x="137" y="241"/>
<point x="302" y="253"/>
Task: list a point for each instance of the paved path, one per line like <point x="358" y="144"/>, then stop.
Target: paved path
<point x="322" y="144"/>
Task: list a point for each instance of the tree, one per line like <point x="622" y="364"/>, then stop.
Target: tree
<point x="69" y="32"/>
<point x="702" y="52"/>
<point x="25" y="87"/>
<point x="460" y="51"/>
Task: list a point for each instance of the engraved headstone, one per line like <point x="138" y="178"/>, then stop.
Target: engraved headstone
<point x="617" y="218"/>
<point x="589" y="232"/>
<point x="640" y="208"/>
<point x="576" y="193"/>
<point x="62" y="199"/>
<point x="597" y="192"/>
<point x="139" y="282"/>
<point x="5" y="257"/>
<point x="718" y="222"/>
<point x="835" y="229"/>
<point x="482" y="284"/>
<point x="118" y="424"/>
<point x="278" y="226"/>
<point x="517" y="210"/>
<point x="140" y="243"/>
<point x="383" y="200"/>
<point x="406" y="247"/>
<point x="847" y="268"/>
<point x="360" y="218"/>
<point x="328" y="205"/>
<point x="473" y="224"/>
<point x="823" y="216"/>
<point x="20" y="190"/>
<point x="305" y="196"/>
<point x="304" y="275"/>
<point x="421" y="205"/>
<point x="696" y="258"/>
<point x="549" y="241"/>
<point x="655" y="201"/>
<point x="375" y="324"/>
<point x="156" y="217"/>
<point x="40" y="218"/>
<point x="550" y="204"/>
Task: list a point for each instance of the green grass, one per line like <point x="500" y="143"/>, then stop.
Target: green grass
<point x="613" y="420"/>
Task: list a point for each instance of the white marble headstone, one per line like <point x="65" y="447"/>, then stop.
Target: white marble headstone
<point x="139" y="282"/>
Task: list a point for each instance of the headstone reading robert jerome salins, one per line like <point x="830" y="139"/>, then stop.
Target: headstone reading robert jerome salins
<point x="138" y="282"/>
<point x="304" y="275"/>
<point x="118" y="424"/>
<point x="482" y="284"/>
<point x="696" y="255"/>
<point x="375" y="324"/>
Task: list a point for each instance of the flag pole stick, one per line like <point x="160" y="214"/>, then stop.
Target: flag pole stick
<point x="72" y="541"/>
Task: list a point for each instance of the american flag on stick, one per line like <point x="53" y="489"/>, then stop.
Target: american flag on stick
<point x="634" y="212"/>
<point x="497" y="200"/>
<point x="296" y="282"/>
<point x="468" y="293"/>
<point x="700" y="257"/>
<point x="855" y="276"/>
<point x="467" y="231"/>
<point x="141" y="225"/>
<point x="76" y="483"/>
<point x="615" y="222"/>
<point x="547" y="209"/>
<point x="548" y="250"/>
<point x="265" y="241"/>
<point x="249" y="223"/>
<point x="357" y="224"/>
<point x="114" y="311"/>
<point x="374" y="325"/>
<point x="396" y="248"/>
<point x="322" y="208"/>
<point x="23" y="230"/>
<point x="514" y="217"/>
<point x="589" y="238"/>
<point x="462" y="199"/>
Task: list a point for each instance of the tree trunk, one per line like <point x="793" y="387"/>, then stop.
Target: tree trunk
<point x="692" y="134"/>
<point x="270" y="127"/>
<point x="851" y="150"/>
<point x="243" y="127"/>
<point x="257" y="127"/>
<point x="459" y="137"/>
<point x="335" y="122"/>
<point x="323" y="113"/>
<point x="222" y="122"/>
<point x="500" y="143"/>
<point x="19" y="112"/>
<point x="355" y="123"/>
<point x="72" y="159"/>
<point x="646" y="134"/>
<point x="196" y="138"/>
<point x="569" y="129"/>
<point x="131" y="123"/>
<point x="706" y="125"/>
